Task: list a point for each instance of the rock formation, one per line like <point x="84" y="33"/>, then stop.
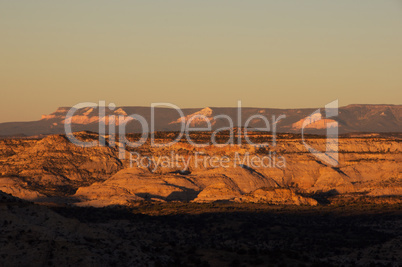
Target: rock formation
<point x="52" y="167"/>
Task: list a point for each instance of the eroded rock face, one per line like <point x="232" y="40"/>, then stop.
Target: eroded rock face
<point x="53" y="166"/>
<point x="218" y="191"/>
<point x="131" y="185"/>
<point x="282" y="196"/>
<point x="16" y="188"/>
<point x="200" y="186"/>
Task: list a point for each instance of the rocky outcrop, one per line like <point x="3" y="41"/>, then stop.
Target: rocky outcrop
<point x="54" y="167"/>
<point x="16" y="188"/>
<point x="201" y="186"/>
<point x="278" y="196"/>
<point x="217" y="192"/>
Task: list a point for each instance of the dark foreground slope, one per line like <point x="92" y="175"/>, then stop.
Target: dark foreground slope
<point x="199" y="235"/>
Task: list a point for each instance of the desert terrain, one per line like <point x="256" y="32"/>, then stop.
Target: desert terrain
<point x="85" y="206"/>
<point x="52" y="169"/>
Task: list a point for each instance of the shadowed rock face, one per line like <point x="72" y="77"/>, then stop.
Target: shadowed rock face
<point x="53" y="169"/>
<point x="37" y="236"/>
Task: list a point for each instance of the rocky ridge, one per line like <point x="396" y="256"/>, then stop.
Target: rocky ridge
<point x="351" y="118"/>
<point x="52" y="167"/>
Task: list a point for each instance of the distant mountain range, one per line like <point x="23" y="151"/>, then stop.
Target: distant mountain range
<point x="351" y="118"/>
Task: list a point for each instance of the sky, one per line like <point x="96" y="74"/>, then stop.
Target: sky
<point x="269" y="54"/>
